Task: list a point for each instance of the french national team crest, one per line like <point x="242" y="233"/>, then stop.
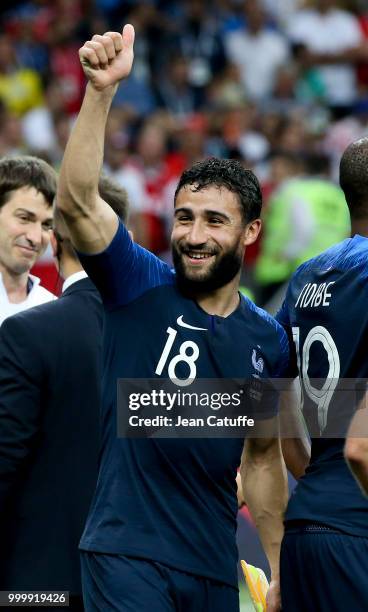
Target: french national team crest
<point x="257" y="362"/>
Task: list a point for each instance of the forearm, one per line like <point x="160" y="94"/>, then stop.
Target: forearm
<point x="83" y="157"/>
<point x="265" y="491"/>
<point x="294" y="439"/>
<point x="359" y="470"/>
<point x="296" y="453"/>
<point x="356" y="446"/>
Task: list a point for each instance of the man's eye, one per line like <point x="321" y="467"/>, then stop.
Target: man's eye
<point x="47" y="227"/>
<point x="23" y="217"/>
<point x="184" y="218"/>
<point x="215" y="221"/>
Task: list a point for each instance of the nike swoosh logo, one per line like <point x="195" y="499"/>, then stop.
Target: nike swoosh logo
<point x="180" y="322"/>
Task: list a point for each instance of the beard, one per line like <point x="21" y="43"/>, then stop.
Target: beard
<point x="219" y="273"/>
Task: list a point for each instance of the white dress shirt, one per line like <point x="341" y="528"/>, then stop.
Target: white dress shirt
<point x="73" y="278"/>
<point x="37" y="295"/>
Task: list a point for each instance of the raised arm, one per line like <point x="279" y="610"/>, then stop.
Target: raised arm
<point x="106" y="60"/>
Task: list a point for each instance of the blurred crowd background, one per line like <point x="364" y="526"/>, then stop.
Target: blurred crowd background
<point x="281" y="85"/>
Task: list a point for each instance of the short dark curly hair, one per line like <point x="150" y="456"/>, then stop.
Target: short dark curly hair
<point x="232" y="175"/>
<point x="354" y="178"/>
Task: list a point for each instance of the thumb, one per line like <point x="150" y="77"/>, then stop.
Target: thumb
<point x="128" y="35"/>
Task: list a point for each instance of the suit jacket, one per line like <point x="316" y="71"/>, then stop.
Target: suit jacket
<point x="49" y="412"/>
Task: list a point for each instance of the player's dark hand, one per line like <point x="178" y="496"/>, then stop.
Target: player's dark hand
<point x="108" y="59"/>
<point x="273" y="599"/>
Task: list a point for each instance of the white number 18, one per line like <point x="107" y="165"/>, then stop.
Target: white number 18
<point x="183" y="356"/>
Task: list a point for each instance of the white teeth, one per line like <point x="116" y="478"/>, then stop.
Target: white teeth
<point x="199" y="255"/>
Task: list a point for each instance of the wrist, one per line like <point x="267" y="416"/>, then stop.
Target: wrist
<point x="107" y="92"/>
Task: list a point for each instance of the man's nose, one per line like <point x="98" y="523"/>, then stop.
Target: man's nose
<point x="34" y="234"/>
<point x="197" y="234"/>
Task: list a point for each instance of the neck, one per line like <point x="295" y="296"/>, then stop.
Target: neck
<point x="222" y="301"/>
<point x="15" y="285"/>
<point x="68" y="267"/>
<point x="359" y="226"/>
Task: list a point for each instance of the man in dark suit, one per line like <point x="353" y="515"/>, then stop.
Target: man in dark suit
<point x="49" y="434"/>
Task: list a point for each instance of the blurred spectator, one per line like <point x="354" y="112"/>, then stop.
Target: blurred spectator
<point x="12" y="134"/>
<point x="361" y="11"/>
<point x="227" y="90"/>
<point x="281" y="166"/>
<point x="192" y="140"/>
<point x="116" y="161"/>
<point x="285" y="166"/>
<point x="136" y="97"/>
<point x="258" y="52"/>
<point x="323" y="36"/>
<point x="30" y="52"/>
<point x="156" y="169"/>
<point x="305" y="215"/>
<point x="193" y="144"/>
<point x="174" y="91"/>
<point x="136" y="93"/>
<point x="20" y="88"/>
<point x="39" y="124"/>
<point x="227" y="14"/>
<point x="64" y="45"/>
<point x="198" y="39"/>
<point x="149" y="42"/>
<point x="117" y="165"/>
<point x="282" y="10"/>
<point x="241" y="136"/>
<point x="288" y="75"/>
<point x="296" y="87"/>
<point x="292" y="135"/>
<point x="62" y="124"/>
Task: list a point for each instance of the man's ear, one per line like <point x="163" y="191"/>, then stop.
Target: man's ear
<point x="251" y="231"/>
<point x="54" y="244"/>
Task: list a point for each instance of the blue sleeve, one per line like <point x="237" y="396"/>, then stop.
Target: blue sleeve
<point x="283" y="318"/>
<point x="282" y="315"/>
<point x="125" y="270"/>
<point x="265" y="392"/>
<point x="283" y="366"/>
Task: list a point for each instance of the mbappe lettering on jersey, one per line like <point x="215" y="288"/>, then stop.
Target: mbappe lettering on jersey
<point x="314" y="295"/>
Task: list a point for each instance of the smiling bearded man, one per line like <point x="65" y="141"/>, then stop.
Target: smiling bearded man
<point x="161" y="530"/>
<point x="206" y="241"/>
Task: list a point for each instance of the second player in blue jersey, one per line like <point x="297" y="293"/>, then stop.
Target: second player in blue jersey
<point x="325" y="314"/>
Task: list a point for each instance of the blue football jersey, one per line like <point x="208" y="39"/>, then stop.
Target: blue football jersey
<point x="169" y="500"/>
<point x="326" y="317"/>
